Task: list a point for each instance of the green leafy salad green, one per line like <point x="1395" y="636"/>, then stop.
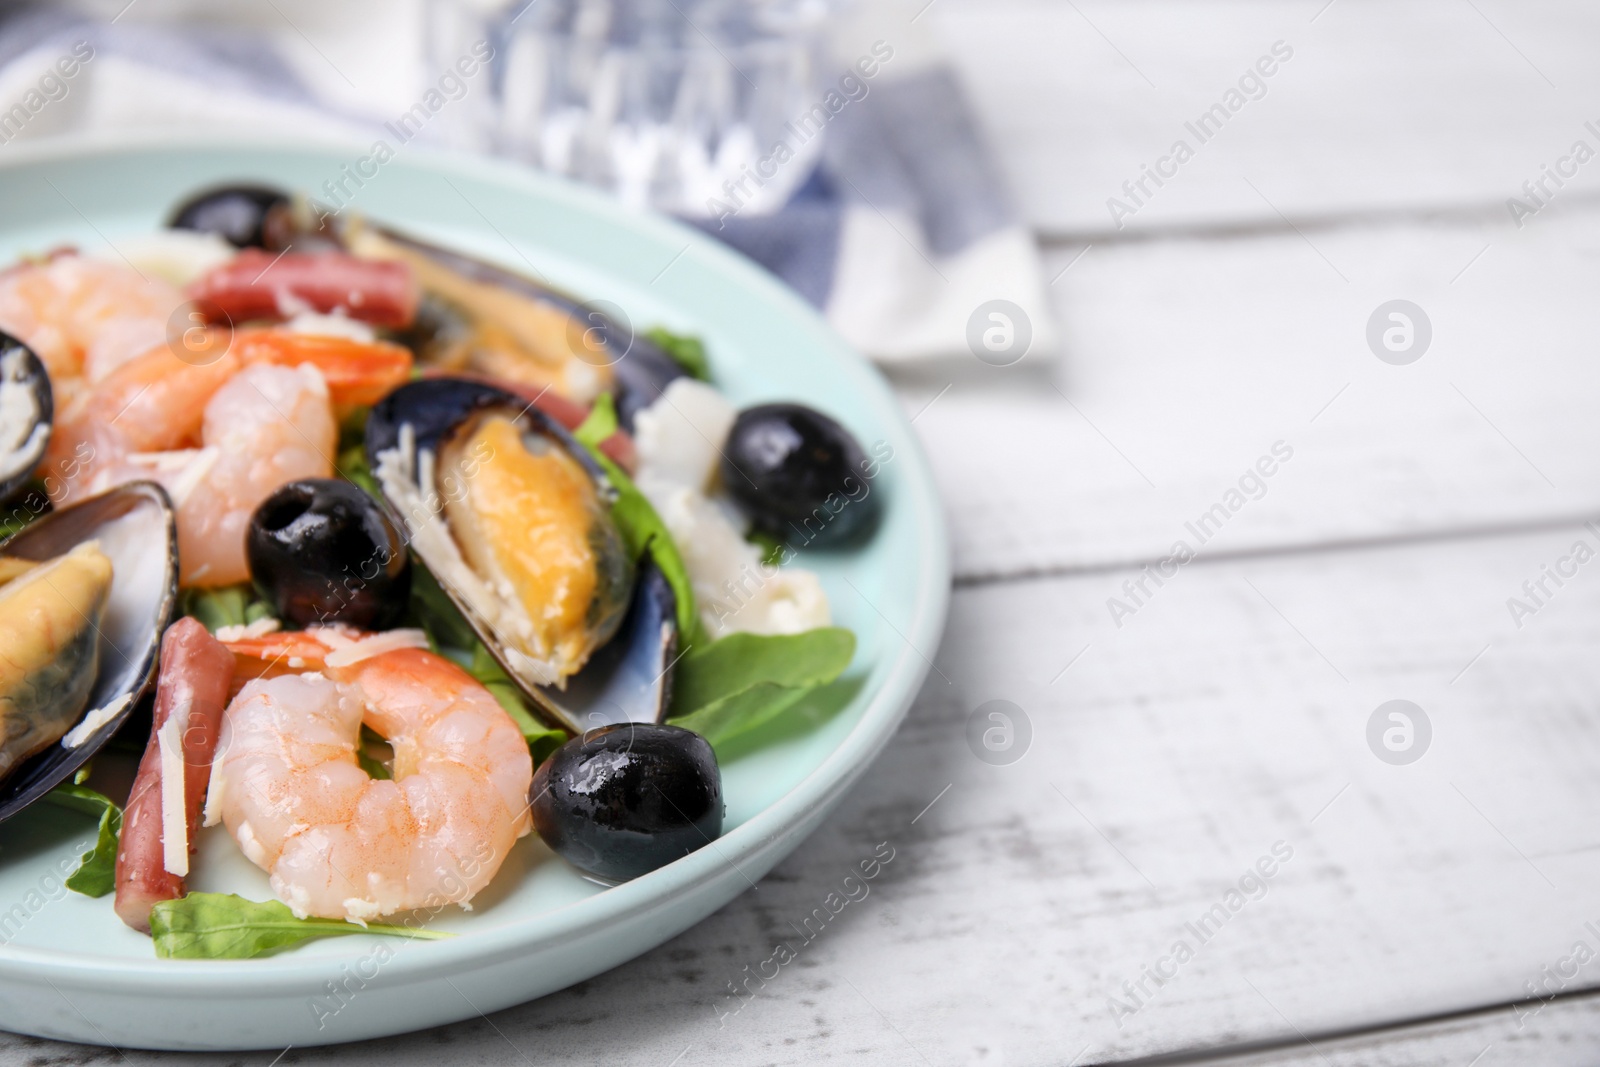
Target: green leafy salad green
<point x="733" y="684"/>
<point x="723" y="688"/>
<point x="687" y="352"/>
<point x="222" y="926"/>
<point x="97" y="870"/>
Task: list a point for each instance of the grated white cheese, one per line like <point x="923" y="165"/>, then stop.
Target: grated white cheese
<point x="335" y="325"/>
<point x="734" y="589"/>
<point x="400" y="471"/>
<point x="194" y="473"/>
<point x="174" y="822"/>
<point x="289" y="305"/>
<point x="679" y="437"/>
<point x="175" y="256"/>
<point x="175" y="460"/>
<point x="259" y="628"/>
<point x="355" y="651"/>
<point x="94" y="720"/>
<point x="211" y="814"/>
<point x="359" y="910"/>
<point x="333" y="636"/>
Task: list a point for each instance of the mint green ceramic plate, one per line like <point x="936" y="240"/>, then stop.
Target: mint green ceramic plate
<point x="69" y="969"/>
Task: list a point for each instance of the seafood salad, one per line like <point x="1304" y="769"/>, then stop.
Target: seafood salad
<point x="377" y="558"/>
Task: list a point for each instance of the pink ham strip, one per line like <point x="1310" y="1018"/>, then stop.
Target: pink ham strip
<point x="196" y="672"/>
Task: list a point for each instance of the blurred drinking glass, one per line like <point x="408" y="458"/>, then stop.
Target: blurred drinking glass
<point x="667" y="103"/>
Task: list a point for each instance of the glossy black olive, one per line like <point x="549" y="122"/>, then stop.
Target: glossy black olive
<point x="239" y="214"/>
<point x="799" y="475"/>
<point x="321" y="550"/>
<point x="623" y="800"/>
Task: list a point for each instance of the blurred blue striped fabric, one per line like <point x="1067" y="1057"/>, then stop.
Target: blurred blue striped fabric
<point x="902" y="230"/>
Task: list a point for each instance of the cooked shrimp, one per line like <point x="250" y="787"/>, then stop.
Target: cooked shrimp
<point x="266" y="427"/>
<point x="255" y="429"/>
<point x="83" y="316"/>
<point x="155" y="402"/>
<point x="340" y="844"/>
<point x="222" y="434"/>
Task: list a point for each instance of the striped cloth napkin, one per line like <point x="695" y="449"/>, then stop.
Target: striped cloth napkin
<point x="900" y="234"/>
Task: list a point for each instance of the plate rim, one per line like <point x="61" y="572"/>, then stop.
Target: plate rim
<point x="822" y="786"/>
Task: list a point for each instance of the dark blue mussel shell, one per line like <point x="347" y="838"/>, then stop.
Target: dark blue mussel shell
<point x="629" y="678"/>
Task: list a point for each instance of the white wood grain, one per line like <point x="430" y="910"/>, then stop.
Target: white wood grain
<point x="1386" y="104"/>
<point x="1563" y="1033"/>
<point x="1229" y="711"/>
<point x="1228" y="715"/>
<point x="1185" y="360"/>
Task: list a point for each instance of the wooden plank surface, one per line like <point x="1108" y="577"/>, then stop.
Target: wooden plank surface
<point x="1228" y="716"/>
<point x="1185" y="360"/>
<point x="1385" y="106"/>
<point x="1556" y="1033"/>
<point x="1229" y="711"/>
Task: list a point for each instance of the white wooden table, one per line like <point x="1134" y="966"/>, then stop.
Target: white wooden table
<point x="1228" y="713"/>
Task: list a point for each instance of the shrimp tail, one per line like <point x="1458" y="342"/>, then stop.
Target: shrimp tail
<point x="196" y="673"/>
<point x="282" y="652"/>
<point x="358" y="373"/>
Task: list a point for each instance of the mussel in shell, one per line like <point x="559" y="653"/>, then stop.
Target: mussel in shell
<point x="26" y="409"/>
<point x="480" y="318"/>
<point x="50" y="616"/>
<point x="85" y="594"/>
<point x="474" y="317"/>
<point x="246" y="216"/>
<point x="512" y="516"/>
<point x="488" y="320"/>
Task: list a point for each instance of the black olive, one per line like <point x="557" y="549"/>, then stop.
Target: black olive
<point x="239" y="214"/>
<point x="799" y="476"/>
<point x="622" y="800"/>
<point x="321" y="550"/>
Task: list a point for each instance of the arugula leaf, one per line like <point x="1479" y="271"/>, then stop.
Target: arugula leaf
<point x="742" y="712"/>
<point x="541" y="739"/>
<point x="374" y="767"/>
<point x="721" y="688"/>
<point x="31" y="495"/>
<point x="224" y="926"/>
<point x="771" y="547"/>
<point x="600" y="423"/>
<point x="643" y="531"/>
<point x="743" y="680"/>
<point x="97" y="870"/>
<point x="229" y="605"/>
<point x="215" y="608"/>
<point x="544" y="745"/>
<point x="687" y="352"/>
<point x="353" y="429"/>
<point x="353" y="465"/>
<point x="432" y="610"/>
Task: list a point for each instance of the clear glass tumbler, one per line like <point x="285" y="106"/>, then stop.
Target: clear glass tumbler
<point x="681" y="105"/>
